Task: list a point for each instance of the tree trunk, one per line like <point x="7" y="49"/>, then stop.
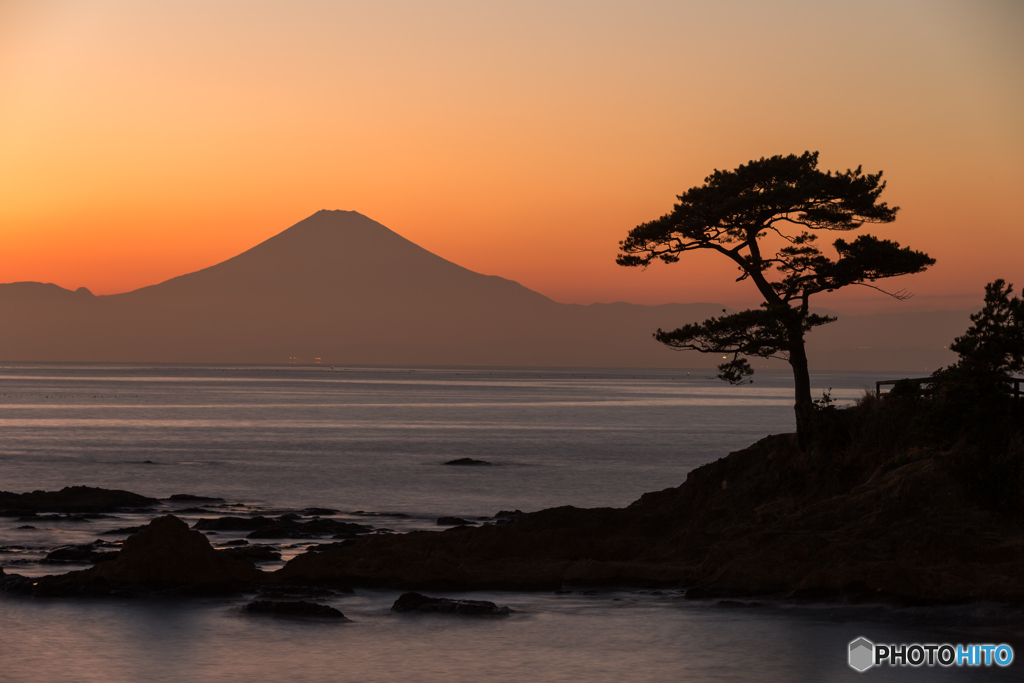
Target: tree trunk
<point x="802" y="386"/>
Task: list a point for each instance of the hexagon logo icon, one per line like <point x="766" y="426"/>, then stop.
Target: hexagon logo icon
<point x="862" y="654"/>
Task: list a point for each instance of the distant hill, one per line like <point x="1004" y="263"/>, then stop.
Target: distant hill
<point x="339" y="288"/>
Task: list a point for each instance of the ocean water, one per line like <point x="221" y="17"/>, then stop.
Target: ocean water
<point x="371" y="443"/>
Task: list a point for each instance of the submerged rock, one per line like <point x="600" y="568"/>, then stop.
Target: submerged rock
<point x="63" y="518"/>
<point x="286" y="526"/>
<point x="299" y="608"/>
<point x="188" y="498"/>
<point x="453" y="521"/>
<point x="415" y="602"/>
<point x="123" y="531"/>
<point x="467" y="461"/>
<point x="317" y="512"/>
<point x="292" y="592"/>
<point x="314" y="528"/>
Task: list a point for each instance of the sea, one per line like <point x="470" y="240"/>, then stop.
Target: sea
<point x="372" y="443"/>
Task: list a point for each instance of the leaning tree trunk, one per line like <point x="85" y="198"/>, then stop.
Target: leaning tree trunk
<point x="802" y="386"/>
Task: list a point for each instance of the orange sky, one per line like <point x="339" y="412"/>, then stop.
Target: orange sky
<point x="139" y="141"/>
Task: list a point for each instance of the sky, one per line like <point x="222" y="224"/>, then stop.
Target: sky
<point x="140" y="141"/>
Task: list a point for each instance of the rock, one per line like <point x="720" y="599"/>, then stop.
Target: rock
<point x="844" y="526"/>
<point x="168" y="551"/>
<point x="453" y="521"/>
<point x="188" y="498"/>
<point x="237" y="541"/>
<point x="75" y="499"/>
<point x="165" y="555"/>
<point x="253" y="553"/>
<point x="318" y="512"/>
<point x="467" y="461"/>
<point x="503" y="517"/>
<point x="78" y="553"/>
<point x="299" y="608"/>
<point x="414" y="602"/>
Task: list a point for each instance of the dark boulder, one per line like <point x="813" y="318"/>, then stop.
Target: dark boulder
<point x="318" y="512"/>
<point x="167" y="552"/>
<point x="415" y="602"/>
<point x="165" y="558"/>
<point x="467" y="461"/>
<point x="503" y="517"/>
<point x="75" y="499"/>
<point x="252" y="553"/>
<point x="299" y="608"/>
<point x="79" y="553"/>
<point x="188" y="498"/>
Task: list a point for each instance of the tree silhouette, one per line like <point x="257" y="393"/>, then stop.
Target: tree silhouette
<point x="994" y="344"/>
<point x="738" y="213"/>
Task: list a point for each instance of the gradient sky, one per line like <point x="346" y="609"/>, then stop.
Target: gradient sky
<point x="139" y="141"/>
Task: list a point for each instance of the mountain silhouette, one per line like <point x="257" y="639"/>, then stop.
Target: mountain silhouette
<point x="339" y="288"/>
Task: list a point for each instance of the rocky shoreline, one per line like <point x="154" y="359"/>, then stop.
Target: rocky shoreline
<point x="768" y="520"/>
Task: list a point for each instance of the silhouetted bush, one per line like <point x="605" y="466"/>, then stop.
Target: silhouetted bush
<point x="965" y="416"/>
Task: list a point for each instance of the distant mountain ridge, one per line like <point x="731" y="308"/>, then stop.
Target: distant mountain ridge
<point x="339" y="288"/>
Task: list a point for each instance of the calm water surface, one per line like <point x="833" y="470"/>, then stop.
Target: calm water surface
<point x="375" y="440"/>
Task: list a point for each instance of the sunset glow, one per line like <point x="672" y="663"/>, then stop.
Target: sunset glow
<point x="140" y="141"/>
